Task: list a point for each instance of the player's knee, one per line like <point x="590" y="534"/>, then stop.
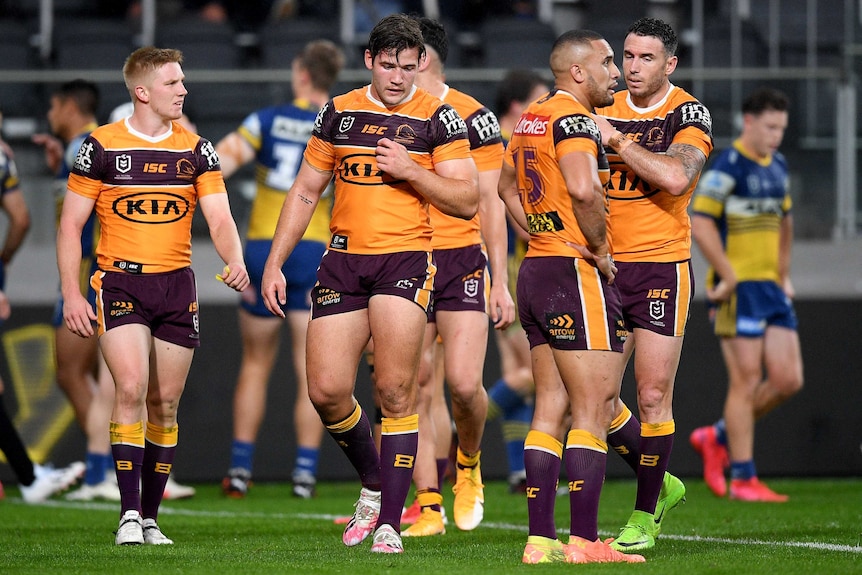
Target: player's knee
<point x="653" y="397"/>
<point x="790" y="385"/>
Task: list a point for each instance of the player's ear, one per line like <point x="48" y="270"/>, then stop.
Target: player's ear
<point x="369" y="61"/>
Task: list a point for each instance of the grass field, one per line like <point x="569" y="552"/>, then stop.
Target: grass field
<point x="818" y="531"/>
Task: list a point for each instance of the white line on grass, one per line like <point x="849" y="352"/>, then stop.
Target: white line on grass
<point x="98" y="506"/>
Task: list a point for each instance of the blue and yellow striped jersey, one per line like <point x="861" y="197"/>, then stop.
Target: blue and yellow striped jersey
<point x="748" y="200"/>
<point x="278" y="135"/>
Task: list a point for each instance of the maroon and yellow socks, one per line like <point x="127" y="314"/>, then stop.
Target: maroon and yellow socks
<point x="429" y="498"/>
<point x="656" y="444"/>
<point x="353" y="435"/>
<point x="127" y="447"/>
<point x="542" y="461"/>
<point x="399" y="440"/>
<point x="586" y="458"/>
<point x="159" y="449"/>
<point x="624" y="437"/>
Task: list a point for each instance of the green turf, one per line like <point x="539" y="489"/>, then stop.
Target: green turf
<point x="818" y="531"/>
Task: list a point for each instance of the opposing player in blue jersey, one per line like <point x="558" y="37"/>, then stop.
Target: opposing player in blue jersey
<point x="743" y="226"/>
<point x="275" y="139"/>
<point x="81" y="374"/>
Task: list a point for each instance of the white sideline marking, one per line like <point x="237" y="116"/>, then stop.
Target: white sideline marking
<point x="167" y="510"/>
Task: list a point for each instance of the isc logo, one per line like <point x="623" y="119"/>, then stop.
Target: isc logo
<point x="153" y="168"/>
<point x="372" y="129"/>
<point x="658" y="294"/>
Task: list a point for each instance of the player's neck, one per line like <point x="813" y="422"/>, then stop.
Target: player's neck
<point x="317" y="98"/>
<point x="431" y="83"/>
<point x="652" y="99"/>
<point x="151" y="126"/>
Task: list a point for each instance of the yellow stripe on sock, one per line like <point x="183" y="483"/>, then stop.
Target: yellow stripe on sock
<point x="127" y="433"/>
<point x="399" y="425"/>
<point x="621" y="419"/>
<point x="586" y="440"/>
<point x="162" y="436"/>
<point x="427" y="498"/>
<point x="348" y="423"/>
<point x="544" y="442"/>
<point x="465" y="460"/>
<point x="657" y="429"/>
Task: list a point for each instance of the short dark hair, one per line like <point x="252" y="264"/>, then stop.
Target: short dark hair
<point x="396" y="33"/>
<point x="435" y="36"/>
<point x="763" y="99"/>
<point x="516" y="86"/>
<point x="84" y="93"/>
<point x="323" y="60"/>
<point x="658" y="29"/>
<point x="566" y="39"/>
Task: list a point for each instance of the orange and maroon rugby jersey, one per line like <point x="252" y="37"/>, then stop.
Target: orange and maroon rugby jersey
<point x="648" y="224"/>
<point x="550" y="128"/>
<point x="146" y="190"/>
<point x="373" y="213"/>
<point x="486" y="147"/>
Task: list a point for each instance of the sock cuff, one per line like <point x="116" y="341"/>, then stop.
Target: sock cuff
<point x="541" y="441"/>
<point x="581" y="438"/>
<point x="465" y="460"/>
<point x="348" y="422"/>
<point x="162" y="436"/>
<point x="621" y="419"/>
<point x="429" y="497"/>
<point x="127" y="433"/>
<point x="658" y="429"/>
<point x="399" y="425"/>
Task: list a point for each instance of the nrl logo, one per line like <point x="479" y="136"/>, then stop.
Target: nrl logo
<point x="123" y="163"/>
<point x="346" y="124"/>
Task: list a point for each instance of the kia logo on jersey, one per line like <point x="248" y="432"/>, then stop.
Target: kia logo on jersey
<point x="151" y="207"/>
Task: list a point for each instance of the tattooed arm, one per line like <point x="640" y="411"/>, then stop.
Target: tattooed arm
<point x="674" y="171"/>
<point x="296" y="212"/>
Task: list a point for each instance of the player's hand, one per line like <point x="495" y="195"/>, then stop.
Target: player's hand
<point x="607" y="266"/>
<point x="53" y="149"/>
<point x="502" y="307"/>
<point x="393" y="159"/>
<point x="78" y="315"/>
<point x="273" y="288"/>
<point x="235" y="276"/>
<point x="605" y="263"/>
<point x="788" y="288"/>
<point x="605" y="128"/>
<point x="722" y="290"/>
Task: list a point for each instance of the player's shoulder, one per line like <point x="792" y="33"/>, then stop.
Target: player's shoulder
<point x="559" y="103"/>
<point x="107" y="134"/>
<point x="619" y="107"/>
<point x="464" y="103"/>
<point x="679" y="98"/>
<point x="355" y="98"/>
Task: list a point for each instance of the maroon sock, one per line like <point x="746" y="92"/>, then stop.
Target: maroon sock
<point x="154" y="475"/>
<point x="654" y="461"/>
<point x="353" y="436"/>
<point x="586" y="471"/>
<point x="398" y="443"/>
<point x="128" y="460"/>
<point x="626" y="442"/>
<point x="442" y="466"/>
<point x="542" y="464"/>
